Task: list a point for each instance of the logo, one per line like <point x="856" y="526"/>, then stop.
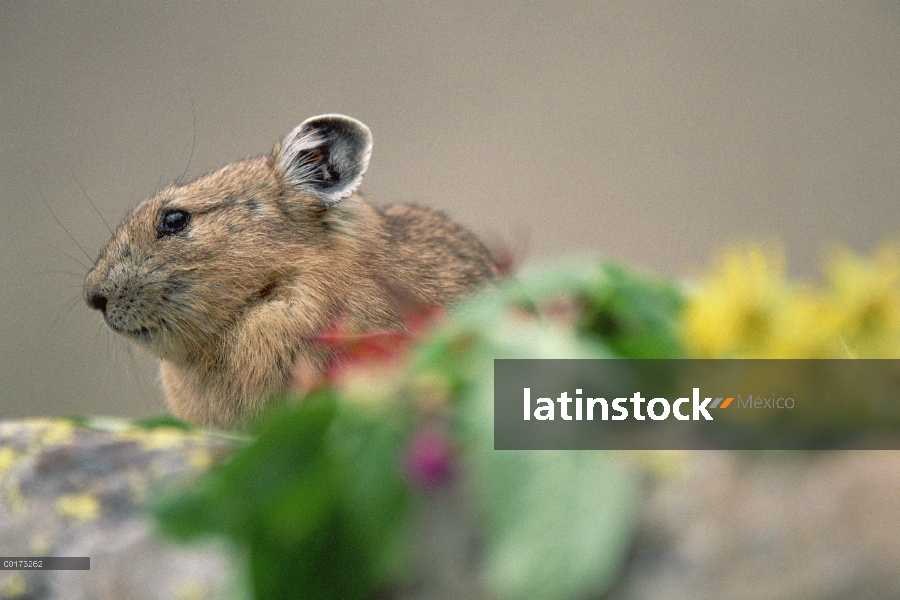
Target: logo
<point x="657" y="409"/>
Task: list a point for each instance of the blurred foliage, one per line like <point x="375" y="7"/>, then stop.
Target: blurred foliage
<point x="317" y="502"/>
<point x="322" y="499"/>
<point x="555" y="523"/>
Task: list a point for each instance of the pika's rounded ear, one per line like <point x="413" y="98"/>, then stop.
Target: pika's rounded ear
<point x="326" y="155"/>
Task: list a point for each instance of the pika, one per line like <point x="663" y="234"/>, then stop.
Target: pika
<point x="229" y="279"/>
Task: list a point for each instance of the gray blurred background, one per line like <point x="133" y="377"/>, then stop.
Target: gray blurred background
<point x="649" y="132"/>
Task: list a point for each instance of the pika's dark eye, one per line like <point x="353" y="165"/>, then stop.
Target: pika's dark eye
<point x="172" y="222"/>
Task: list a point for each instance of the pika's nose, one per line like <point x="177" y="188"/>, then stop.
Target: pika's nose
<point x="95" y="300"/>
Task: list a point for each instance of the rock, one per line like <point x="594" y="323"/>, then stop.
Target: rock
<point x="81" y="490"/>
<point x="716" y="525"/>
<point x="770" y="526"/>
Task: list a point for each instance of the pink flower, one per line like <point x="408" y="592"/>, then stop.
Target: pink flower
<point x="429" y="461"/>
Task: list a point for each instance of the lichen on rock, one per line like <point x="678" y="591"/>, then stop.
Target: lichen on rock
<point x="80" y="488"/>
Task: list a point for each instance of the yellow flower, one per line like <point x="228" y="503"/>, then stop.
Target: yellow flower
<point x="866" y="295"/>
<point x="747" y="308"/>
<point x="735" y="310"/>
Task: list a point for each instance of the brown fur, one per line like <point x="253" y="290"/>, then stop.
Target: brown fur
<point x="232" y="304"/>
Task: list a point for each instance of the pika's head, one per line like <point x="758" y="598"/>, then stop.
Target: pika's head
<point x="184" y="264"/>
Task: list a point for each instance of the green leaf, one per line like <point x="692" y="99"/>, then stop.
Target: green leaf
<point x="557" y="524"/>
<point x="635" y="315"/>
<point x="163" y="421"/>
<point x="560" y="522"/>
<point x="316" y="502"/>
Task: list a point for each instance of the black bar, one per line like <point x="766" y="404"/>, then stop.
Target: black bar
<point x="45" y="563"/>
<point x="724" y="404"/>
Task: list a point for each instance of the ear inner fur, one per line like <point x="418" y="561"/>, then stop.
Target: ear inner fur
<point x="326" y="156"/>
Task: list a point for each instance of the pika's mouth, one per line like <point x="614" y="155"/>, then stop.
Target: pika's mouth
<point x="141" y="334"/>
